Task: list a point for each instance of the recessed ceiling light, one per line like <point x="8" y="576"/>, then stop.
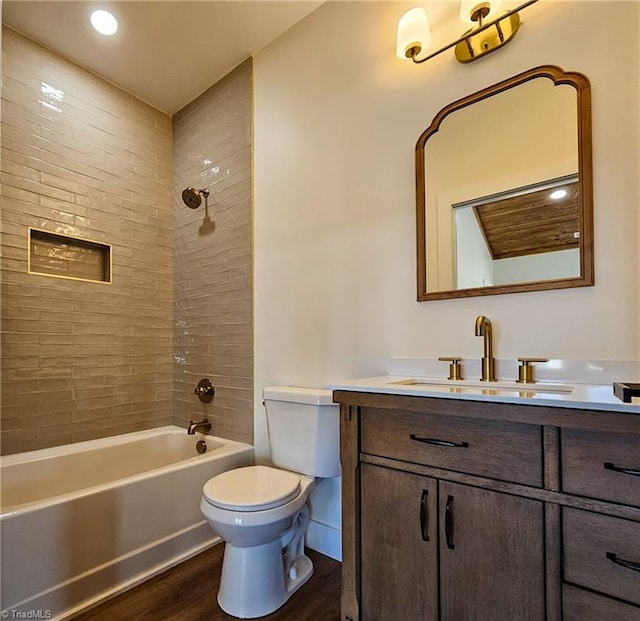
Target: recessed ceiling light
<point x="104" y="22"/>
<point x="558" y="194"/>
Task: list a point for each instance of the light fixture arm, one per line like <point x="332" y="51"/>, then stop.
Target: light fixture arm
<point x="465" y="37"/>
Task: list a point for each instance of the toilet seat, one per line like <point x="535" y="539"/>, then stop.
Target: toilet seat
<point x="254" y="488"/>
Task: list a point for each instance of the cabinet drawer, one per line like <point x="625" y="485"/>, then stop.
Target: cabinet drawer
<point x="495" y="449"/>
<point x="581" y="605"/>
<point x="601" y="465"/>
<point x="602" y="553"/>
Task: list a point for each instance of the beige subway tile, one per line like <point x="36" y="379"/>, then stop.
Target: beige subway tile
<point x="37" y="373"/>
<point x="13" y="147"/>
<point x="19" y="337"/>
<point x="18" y="89"/>
<point x="79" y="167"/>
<point x="19" y="194"/>
<point x="18" y="57"/>
<point x="48" y="408"/>
<point x="20" y="417"/>
<point x="19" y="171"/>
<point x="21" y="363"/>
<point x="14" y="387"/>
<point x="35" y="397"/>
<point x="55" y="435"/>
<point x="56" y="384"/>
<point x="12" y="252"/>
<point x="84" y="371"/>
<point x="91" y="433"/>
<point x="20" y="441"/>
<point x="17" y="349"/>
<point x="128" y="211"/>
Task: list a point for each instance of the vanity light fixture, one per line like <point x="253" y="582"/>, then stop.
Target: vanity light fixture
<point x="414" y="34"/>
<point x="104" y="22"/>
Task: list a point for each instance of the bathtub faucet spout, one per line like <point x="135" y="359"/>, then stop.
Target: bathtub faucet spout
<point x="203" y="426"/>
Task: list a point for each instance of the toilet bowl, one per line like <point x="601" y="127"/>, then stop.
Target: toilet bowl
<point x="263" y="521"/>
<point x="261" y="512"/>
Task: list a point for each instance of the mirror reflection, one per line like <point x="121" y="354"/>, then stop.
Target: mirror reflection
<point x="529" y="234"/>
<point x="504" y="189"/>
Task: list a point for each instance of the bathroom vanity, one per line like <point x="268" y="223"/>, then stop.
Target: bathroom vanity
<point x="488" y="504"/>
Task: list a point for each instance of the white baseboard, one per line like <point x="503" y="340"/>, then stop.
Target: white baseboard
<point x="325" y="539"/>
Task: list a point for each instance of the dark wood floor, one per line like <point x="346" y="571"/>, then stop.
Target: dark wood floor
<point x="188" y="592"/>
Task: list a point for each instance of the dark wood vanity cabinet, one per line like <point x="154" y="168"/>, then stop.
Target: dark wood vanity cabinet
<point x="422" y="539"/>
<point x="477" y="511"/>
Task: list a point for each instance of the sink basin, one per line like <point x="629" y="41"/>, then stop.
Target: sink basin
<point x="500" y="386"/>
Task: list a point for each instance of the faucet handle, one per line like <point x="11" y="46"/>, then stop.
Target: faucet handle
<point x="205" y="390"/>
<point x="455" y="368"/>
<point x="525" y="370"/>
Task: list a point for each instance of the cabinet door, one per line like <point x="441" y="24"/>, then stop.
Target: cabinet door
<point x="398" y="546"/>
<point x="491" y="555"/>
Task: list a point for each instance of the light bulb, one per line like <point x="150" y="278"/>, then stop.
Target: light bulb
<point x="104" y="22"/>
<point x="413" y="32"/>
<point x="556" y="195"/>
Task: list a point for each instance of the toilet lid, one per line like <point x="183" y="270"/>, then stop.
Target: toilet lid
<point x="254" y="488"/>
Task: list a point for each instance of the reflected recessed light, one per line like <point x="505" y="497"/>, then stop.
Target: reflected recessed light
<point x="558" y="194"/>
<point x="104" y="22"/>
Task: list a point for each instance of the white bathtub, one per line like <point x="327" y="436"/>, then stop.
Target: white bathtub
<point x="82" y="522"/>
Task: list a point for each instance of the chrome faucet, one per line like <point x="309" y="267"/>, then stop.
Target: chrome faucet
<point x="204" y="426"/>
<point x="484" y="329"/>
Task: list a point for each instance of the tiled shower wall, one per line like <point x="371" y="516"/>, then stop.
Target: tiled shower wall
<point x="80" y="157"/>
<point x="213" y="257"/>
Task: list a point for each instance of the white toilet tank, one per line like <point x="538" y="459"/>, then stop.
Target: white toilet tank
<point x="304" y="430"/>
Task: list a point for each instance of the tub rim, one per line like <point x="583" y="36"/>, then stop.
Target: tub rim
<point x="229" y="447"/>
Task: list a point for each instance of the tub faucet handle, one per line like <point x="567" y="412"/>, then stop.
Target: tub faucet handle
<point x="205" y="390"/>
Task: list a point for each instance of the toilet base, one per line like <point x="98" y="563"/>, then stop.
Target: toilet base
<point x="253" y="582"/>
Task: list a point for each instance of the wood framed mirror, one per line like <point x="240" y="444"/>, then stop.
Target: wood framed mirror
<point x="504" y="199"/>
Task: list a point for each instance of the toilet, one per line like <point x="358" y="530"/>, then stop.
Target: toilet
<point x="261" y="512"/>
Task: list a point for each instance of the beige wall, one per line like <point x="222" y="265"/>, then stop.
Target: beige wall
<point x="82" y="360"/>
<point x="213" y="328"/>
<point x="80" y="157"/>
<point x="337" y="116"/>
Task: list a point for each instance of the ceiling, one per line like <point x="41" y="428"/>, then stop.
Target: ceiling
<point x="530" y="223"/>
<point x="165" y="52"/>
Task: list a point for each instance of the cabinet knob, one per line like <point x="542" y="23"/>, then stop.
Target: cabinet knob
<point x="455" y="368"/>
<point x="525" y="370"/>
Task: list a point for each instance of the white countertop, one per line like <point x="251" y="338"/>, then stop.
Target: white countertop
<point x="568" y="395"/>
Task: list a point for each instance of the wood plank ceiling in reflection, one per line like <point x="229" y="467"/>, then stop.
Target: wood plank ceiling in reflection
<point x="530" y="223"/>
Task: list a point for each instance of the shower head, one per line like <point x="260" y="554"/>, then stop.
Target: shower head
<point x="193" y="198"/>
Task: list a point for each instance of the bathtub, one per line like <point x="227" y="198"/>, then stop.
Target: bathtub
<point x="82" y="522"/>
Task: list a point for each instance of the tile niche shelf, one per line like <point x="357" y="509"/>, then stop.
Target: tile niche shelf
<point x="63" y="256"/>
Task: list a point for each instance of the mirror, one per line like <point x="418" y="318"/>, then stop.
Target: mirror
<point x="504" y="189"/>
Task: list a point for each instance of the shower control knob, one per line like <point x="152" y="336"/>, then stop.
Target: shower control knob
<point x="205" y="390"/>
